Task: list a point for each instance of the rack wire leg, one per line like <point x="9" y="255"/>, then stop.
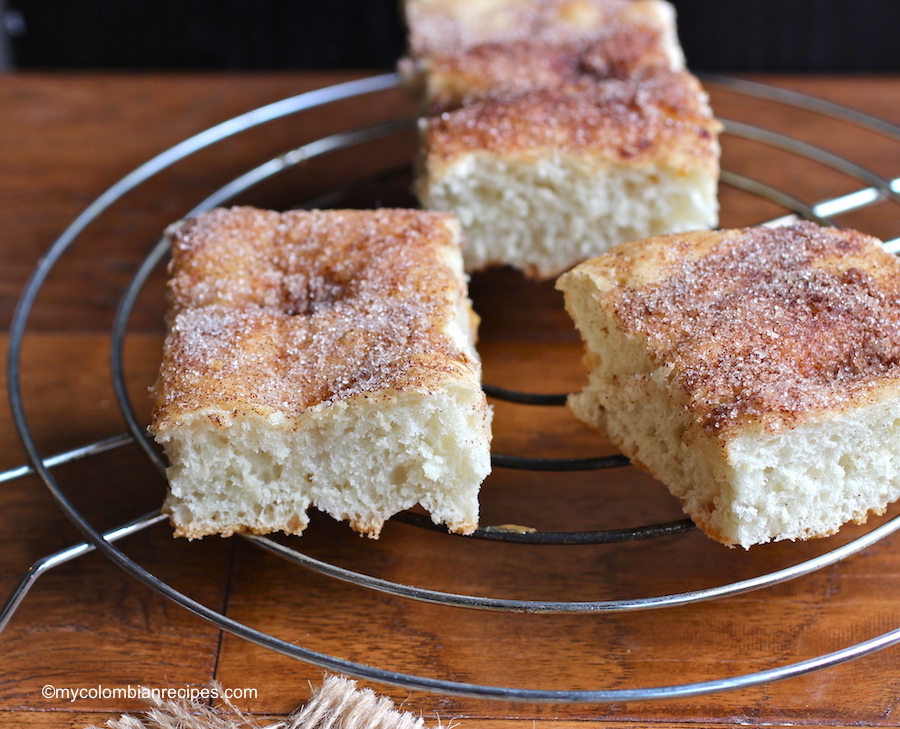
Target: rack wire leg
<point x="76" y="454"/>
<point x="66" y="555"/>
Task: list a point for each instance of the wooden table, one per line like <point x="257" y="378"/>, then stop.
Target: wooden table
<point x="88" y="624"/>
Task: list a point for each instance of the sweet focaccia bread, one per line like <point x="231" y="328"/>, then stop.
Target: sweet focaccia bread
<point x="450" y="26"/>
<point x="544" y="179"/>
<point x="756" y="372"/>
<point x="461" y="50"/>
<point x="322" y="359"/>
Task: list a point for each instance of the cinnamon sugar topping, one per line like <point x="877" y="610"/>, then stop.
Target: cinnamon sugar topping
<point x="458" y="79"/>
<point x="773" y="323"/>
<point x="285" y="311"/>
<point x="651" y="113"/>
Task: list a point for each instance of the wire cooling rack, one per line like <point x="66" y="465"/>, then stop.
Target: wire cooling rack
<point x="871" y="189"/>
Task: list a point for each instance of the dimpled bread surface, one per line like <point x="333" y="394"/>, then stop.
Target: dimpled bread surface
<point x="755" y="372"/>
<point x="319" y="358"/>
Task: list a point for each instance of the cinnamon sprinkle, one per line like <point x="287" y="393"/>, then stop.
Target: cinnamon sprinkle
<point x="774" y="323"/>
<point x="285" y="311"/>
<point x="651" y="114"/>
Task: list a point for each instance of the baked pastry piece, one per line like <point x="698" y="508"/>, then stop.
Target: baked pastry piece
<point x="544" y="179"/>
<point x="755" y="372"/>
<point x="446" y="26"/>
<point x="460" y="50"/>
<point x="319" y="358"/>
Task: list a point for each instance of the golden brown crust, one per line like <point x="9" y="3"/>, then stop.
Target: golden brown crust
<point x="654" y="116"/>
<point x="456" y="79"/>
<point x="626" y="47"/>
<point x="763" y="326"/>
<point x="294" y="525"/>
<point x="459" y="51"/>
<point x="281" y="312"/>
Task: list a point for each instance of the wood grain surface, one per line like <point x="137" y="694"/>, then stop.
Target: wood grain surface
<point x="87" y="624"/>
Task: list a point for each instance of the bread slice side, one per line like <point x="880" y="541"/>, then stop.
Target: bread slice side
<point x="544" y="216"/>
<point x="810" y="480"/>
<point x="639" y="407"/>
<point x="361" y="460"/>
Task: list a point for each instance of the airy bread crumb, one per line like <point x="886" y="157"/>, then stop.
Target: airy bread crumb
<point x="755" y="372"/>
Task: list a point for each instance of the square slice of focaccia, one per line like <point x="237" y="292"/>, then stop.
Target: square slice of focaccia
<point x="319" y="358"/>
<point x="460" y="50"/>
<point x="755" y="372"/>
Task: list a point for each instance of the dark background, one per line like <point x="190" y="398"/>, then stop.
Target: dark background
<point x="717" y="35"/>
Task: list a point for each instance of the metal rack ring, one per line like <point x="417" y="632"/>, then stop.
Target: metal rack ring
<point x="878" y="189"/>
